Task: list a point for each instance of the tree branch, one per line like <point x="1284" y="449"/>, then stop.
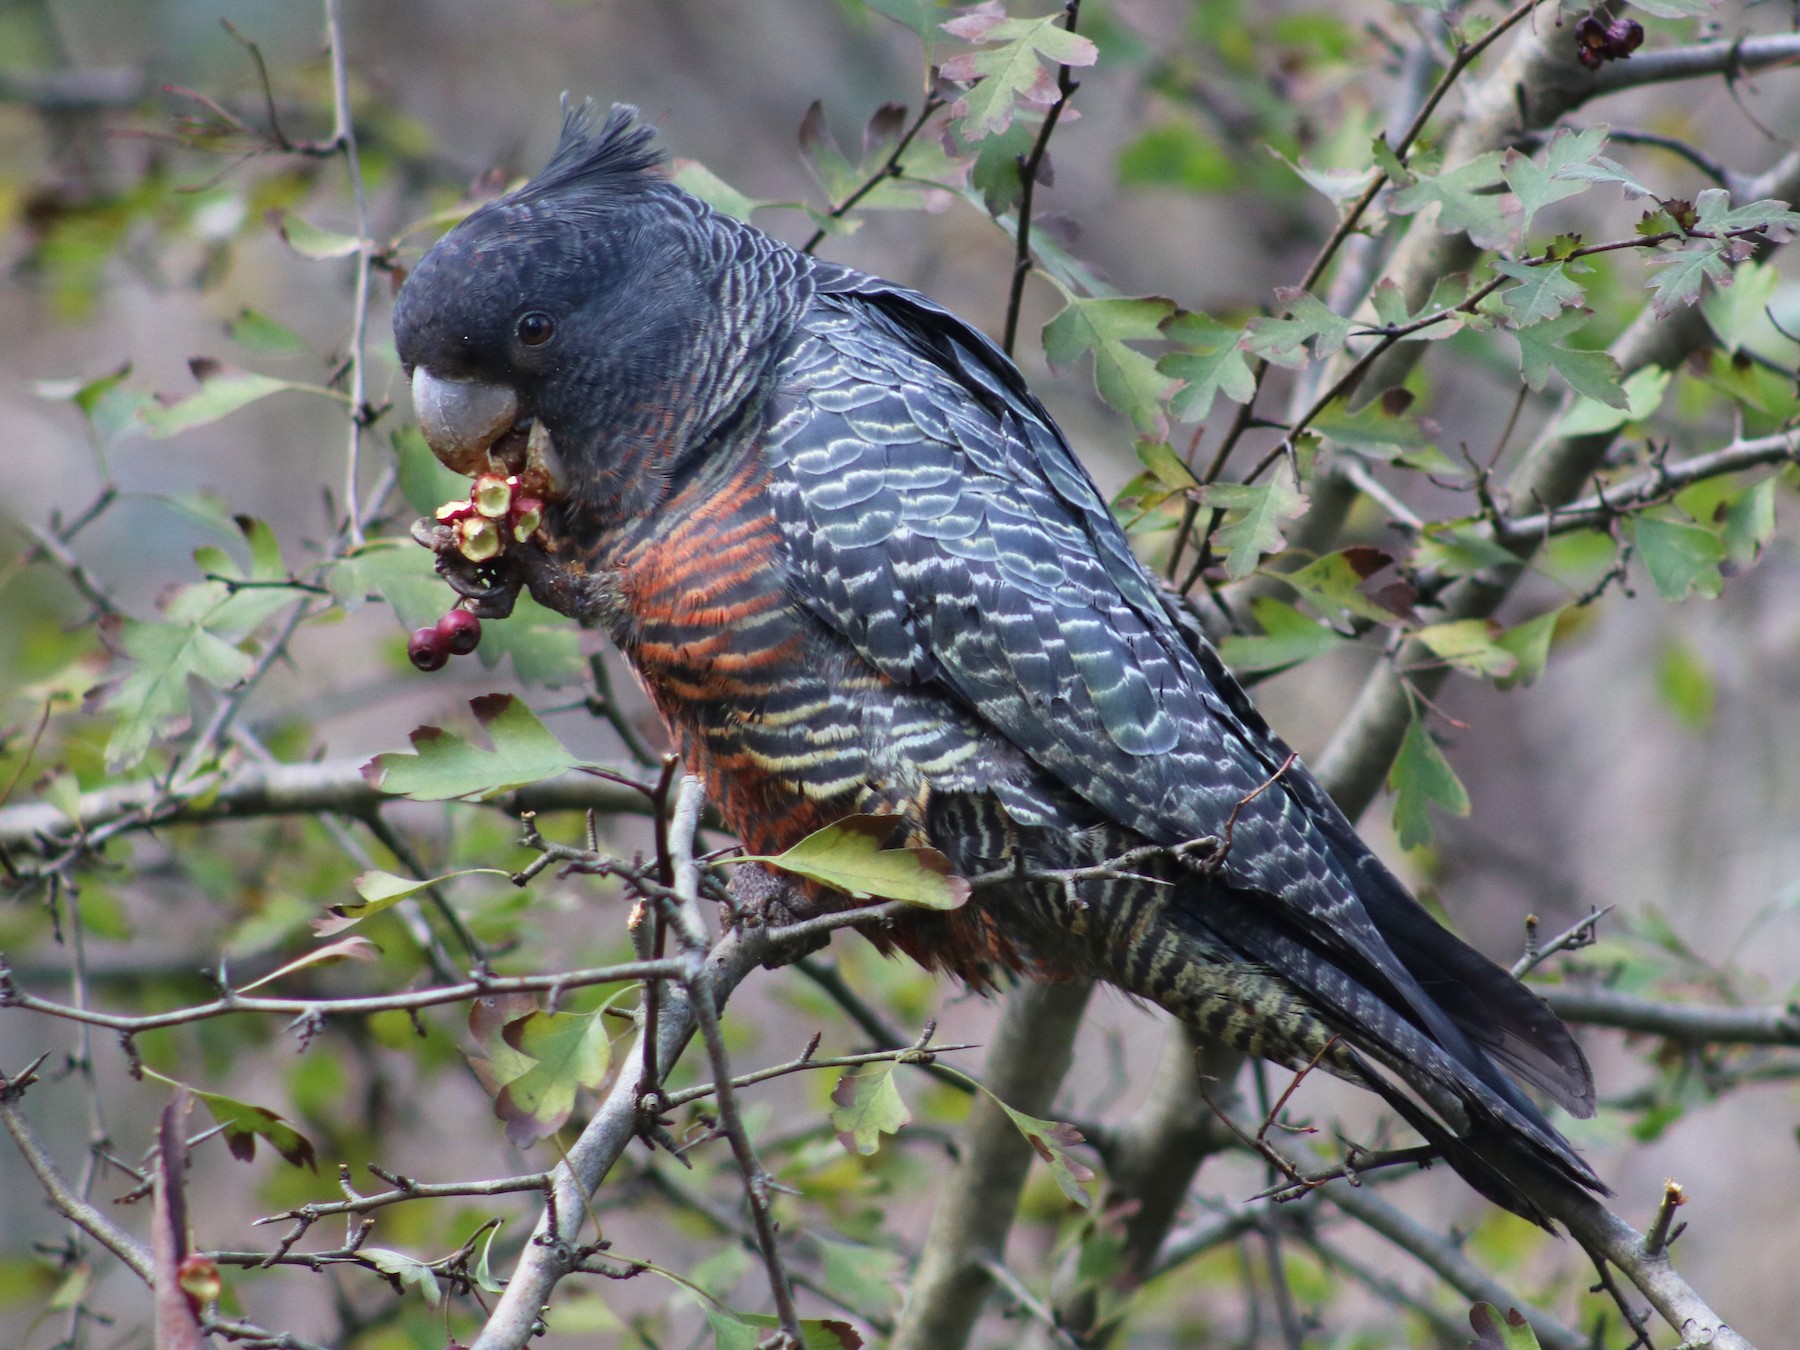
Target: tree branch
<point x="1689" y="1024"/>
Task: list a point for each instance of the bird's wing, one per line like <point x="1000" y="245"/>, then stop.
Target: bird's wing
<point x="935" y="517"/>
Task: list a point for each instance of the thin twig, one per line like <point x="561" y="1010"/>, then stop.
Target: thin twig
<point x="1030" y="166"/>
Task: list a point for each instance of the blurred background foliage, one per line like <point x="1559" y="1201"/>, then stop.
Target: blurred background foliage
<point x="142" y="219"/>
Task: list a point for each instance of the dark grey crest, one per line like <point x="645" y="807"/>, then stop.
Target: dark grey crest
<point x="619" y="157"/>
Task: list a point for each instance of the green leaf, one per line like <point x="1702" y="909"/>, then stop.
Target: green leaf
<point x="1009" y="72"/>
<point x="406" y="1269"/>
<point x="1470" y="645"/>
<point x="1680" y="558"/>
<point x="1333" y="583"/>
<point x="1600" y="169"/>
<point x="1209" y="360"/>
<point x="154" y="699"/>
<point x="1750" y="522"/>
<point x="223" y="390"/>
<point x="1308" y="320"/>
<point x="840" y="177"/>
<point x="1126" y="379"/>
<point x="243" y="1124"/>
<point x="1341" y="186"/>
<point x="747" y="1331"/>
<point x="1537" y="186"/>
<point x="1544" y="291"/>
<point x="1422" y="777"/>
<point x="1288" y="638"/>
<point x="1529" y="644"/>
<point x="693" y="176"/>
<point x="1252" y="526"/>
<point x="1683" y="272"/>
<point x="1465" y="199"/>
<point x="1542" y="348"/>
<point x="309" y="241"/>
<point x="1051" y="1140"/>
<point x="1372" y="428"/>
<point x="260" y="333"/>
<point x="382" y="890"/>
<point x="869" y="1279"/>
<point x="1512" y="1332"/>
<point x="545" y="647"/>
<point x="1739" y="315"/>
<point x="1643" y="396"/>
<point x="995" y="174"/>
<point x="1165" y="465"/>
<point x="1687" y="685"/>
<point x="1457" y="550"/>
<point x="867" y="1105"/>
<point x="919" y="15"/>
<point x="445" y="766"/>
<point x="567" y="1051"/>
<point x="850" y="855"/>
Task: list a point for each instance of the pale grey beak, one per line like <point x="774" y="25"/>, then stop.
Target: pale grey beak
<point x="461" y="419"/>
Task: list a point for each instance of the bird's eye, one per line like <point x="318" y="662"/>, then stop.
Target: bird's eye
<point x="536" y="328"/>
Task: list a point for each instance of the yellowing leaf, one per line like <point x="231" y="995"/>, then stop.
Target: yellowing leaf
<point x="867" y="1105"/>
<point x="849" y="855"/>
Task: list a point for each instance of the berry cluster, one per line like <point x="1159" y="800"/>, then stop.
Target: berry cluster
<point x="456" y="634"/>
<point x="494" y="516"/>
<point x="1598" y="40"/>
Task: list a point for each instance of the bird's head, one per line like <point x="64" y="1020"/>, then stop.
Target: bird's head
<point x="567" y="326"/>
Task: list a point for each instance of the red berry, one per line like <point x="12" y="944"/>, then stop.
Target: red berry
<point x="459" y="631"/>
<point x="427" y="649"/>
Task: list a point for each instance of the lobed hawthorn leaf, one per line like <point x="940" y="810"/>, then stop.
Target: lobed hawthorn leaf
<point x="1714" y="212"/>
<point x="1449" y="291"/>
<point x="1288" y="638"/>
<point x="1333" y="584"/>
<point x="1252" y="527"/>
<point x="1421" y="778"/>
<point x="1308" y="320"/>
<point x="1465" y="197"/>
<point x="851" y="855"/>
<point x="1127" y="379"/>
<point x="1600" y="169"/>
<point x="565" y="1052"/>
<point x="444" y="766"/>
<point x="494" y="1062"/>
<point x="1373" y="428"/>
<point x="154" y="700"/>
<point x="1540" y="185"/>
<point x="839" y="177"/>
<point x="866" y="1105"/>
<point x="1010" y="70"/>
<point x="1165" y="465"/>
<point x="1543" y="292"/>
<point x="1681" y="558"/>
<point x="1683" y="273"/>
<point x="1542" y="348"/>
<point x="995" y="173"/>
<point x="1210" y="361"/>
